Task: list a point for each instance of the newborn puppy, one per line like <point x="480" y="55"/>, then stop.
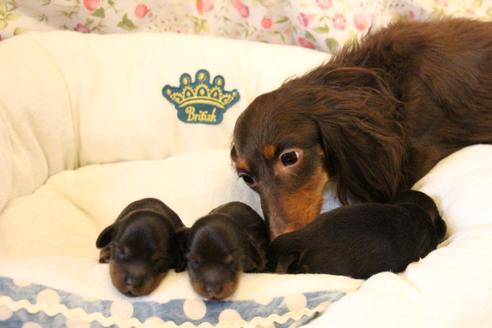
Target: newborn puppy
<point x="361" y="240"/>
<point x="141" y="246"/>
<point x="231" y="239"/>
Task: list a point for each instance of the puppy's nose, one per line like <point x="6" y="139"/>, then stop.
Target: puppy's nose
<point x="213" y="289"/>
<point x="133" y="281"/>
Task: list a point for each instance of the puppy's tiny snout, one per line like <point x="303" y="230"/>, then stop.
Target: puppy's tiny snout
<point x="133" y="281"/>
<point x="213" y="288"/>
<point x="213" y="282"/>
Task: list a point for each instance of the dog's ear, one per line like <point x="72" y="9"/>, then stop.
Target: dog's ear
<point x="106" y="236"/>
<point x="288" y="263"/>
<point x="362" y="140"/>
<point x="182" y="236"/>
<point x="105" y="254"/>
<point x="254" y="261"/>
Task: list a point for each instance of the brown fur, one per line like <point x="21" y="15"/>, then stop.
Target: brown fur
<point x="306" y="202"/>
<point x="231" y="239"/>
<point x="269" y="151"/>
<point x="228" y="288"/>
<point x="243" y="165"/>
<point x="149" y="284"/>
<point x="141" y="246"/>
<point x="384" y="110"/>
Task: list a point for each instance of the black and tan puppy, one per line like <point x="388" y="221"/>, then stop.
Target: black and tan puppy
<point x="141" y="246"/>
<point x="361" y="240"/>
<point x="231" y="239"/>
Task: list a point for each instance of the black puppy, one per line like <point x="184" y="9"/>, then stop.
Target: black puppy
<point x="141" y="246"/>
<point x="231" y="239"/>
<point x="362" y="240"/>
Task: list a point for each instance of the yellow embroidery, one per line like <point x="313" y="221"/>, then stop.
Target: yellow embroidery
<point x="201" y="101"/>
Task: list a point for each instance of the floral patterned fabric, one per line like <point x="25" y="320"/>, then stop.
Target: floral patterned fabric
<point x="319" y="24"/>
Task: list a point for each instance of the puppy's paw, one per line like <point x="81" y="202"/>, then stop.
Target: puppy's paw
<point x="105" y="255"/>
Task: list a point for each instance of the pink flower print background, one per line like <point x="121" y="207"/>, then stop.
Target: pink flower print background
<point x="317" y="24"/>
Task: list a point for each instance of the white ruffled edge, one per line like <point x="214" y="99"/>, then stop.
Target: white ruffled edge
<point x="53" y="310"/>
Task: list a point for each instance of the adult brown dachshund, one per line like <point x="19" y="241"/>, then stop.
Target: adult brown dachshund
<point x="374" y="119"/>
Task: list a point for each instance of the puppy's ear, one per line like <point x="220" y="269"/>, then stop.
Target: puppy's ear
<point x="288" y="263"/>
<point x="106" y="236"/>
<point x="182" y="236"/>
<point x="105" y="254"/>
<point x="254" y="261"/>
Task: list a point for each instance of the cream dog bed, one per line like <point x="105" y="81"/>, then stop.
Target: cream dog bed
<point x="91" y="123"/>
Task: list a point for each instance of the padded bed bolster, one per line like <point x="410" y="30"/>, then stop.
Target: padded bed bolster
<point x="119" y="79"/>
<point x="69" y="100"/>
<point x="37" y="131"/>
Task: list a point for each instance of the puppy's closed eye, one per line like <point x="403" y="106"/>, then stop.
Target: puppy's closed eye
<point x="120" y="253"/>
<point x="194" y="262"/>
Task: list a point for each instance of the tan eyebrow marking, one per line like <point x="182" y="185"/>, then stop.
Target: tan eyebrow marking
<point x="242" y="165"/>
<point x="269" y="151"/>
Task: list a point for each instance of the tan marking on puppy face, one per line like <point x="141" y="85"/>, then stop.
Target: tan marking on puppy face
<point x="118" y="276"/>
<point x="228" y="288"/>
<point x="269" y="151"/>
<point x="105" y="254"/>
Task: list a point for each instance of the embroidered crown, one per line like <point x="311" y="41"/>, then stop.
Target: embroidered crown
<point x="201" y="92"/>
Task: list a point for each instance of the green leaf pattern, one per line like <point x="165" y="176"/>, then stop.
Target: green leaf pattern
<point x="332" y="44"/>
<point x="99" y="12"/>
<point x="126" y="23"/>
<point x="319" y="24"/>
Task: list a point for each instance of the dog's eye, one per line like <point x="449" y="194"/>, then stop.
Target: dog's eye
<point x="289" y="158"/>
<point x="120" y="253"/>
<point x="247" y="178"/>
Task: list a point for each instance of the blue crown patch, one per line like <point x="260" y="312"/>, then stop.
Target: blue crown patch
<point x="201" y="101"/>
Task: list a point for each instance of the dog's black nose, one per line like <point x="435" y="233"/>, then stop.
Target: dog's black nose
<point x="133" y="281"/>
<point x="213" y="289"/>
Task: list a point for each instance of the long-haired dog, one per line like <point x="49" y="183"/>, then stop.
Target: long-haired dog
<point x="361" y="240"/>
<point x="141" y="246"/>
<point x="374" y="119"/>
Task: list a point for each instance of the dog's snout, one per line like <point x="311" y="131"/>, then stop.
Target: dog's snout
<point x="214" y="288"/>
<point x="134" y="281"/>
<point x="213" y="282"/>
<point x="290" y="212"/>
